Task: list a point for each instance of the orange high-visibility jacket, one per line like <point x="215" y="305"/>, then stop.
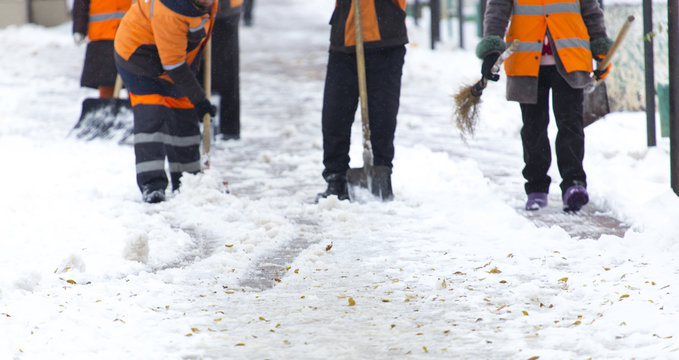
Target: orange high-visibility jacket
<point x="383" y="24"/>
<point x="172" y="30"/>
<point x="163" y="38"/>
<point x="529" y="22"/>
<point x="99" y="19"/>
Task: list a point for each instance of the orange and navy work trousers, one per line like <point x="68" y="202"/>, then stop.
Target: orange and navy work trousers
<point x="166" y="126"/>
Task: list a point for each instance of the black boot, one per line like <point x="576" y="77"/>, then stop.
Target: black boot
<point x="381" y="183"/>
<point x="152" y="195"/>
<point x="337" y="185"/>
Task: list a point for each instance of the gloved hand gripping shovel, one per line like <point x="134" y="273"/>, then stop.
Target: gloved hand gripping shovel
<point x="105" y="117"/>
<point x="377" y="179"/>
<point x="595" y="104"/>
<point x="468" y="98"/>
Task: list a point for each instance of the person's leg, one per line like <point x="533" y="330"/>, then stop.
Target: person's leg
<point x="537" y="153"/>
<point x="384" y="69"/>
<point x="340" y="100"/>
<point x="570" y="144"/>
<point x="150" y="130"/>
<point x="105" y="92"/>
<point x="225" y="74"/>
<point x="183" y="142"/>
<point x="570" y="137"/>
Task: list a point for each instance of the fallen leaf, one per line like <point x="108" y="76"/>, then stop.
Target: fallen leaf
<point x="328" y="247"/>
<point x="352" y="302"/>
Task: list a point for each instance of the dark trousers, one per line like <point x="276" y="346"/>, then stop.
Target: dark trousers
<point x="340" y="101"/>
<point x="165" y="127"/>
<point x="570" y="137"/>
<point x="225" y="73"/>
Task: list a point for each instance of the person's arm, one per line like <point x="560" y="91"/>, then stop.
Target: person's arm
<point x="497" y="17"/>
<point x="593" y="17"/>
<point x="171" y="35"/>
<point x="81" y="19"/>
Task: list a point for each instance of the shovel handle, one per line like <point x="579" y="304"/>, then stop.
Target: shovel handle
<point x="616" y="44"/>
<point x="207" y="85"/>
<point x="117" y="87"/>
<point x="362" y="84"/>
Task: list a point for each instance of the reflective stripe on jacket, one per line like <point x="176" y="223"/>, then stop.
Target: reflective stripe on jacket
<point x="99" y="19"/>
<point x="529" y="22"/>
<point x="105" y="17"/>
<point x="383" y="24"/>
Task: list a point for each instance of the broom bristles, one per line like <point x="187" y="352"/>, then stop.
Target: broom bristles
<point x="466" y="110"/>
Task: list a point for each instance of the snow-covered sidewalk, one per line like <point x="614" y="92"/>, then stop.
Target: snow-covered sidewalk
<point x="451" y="269"/>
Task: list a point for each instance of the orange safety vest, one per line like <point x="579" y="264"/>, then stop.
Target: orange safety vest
<point x="105" y="16"/>
<point x="529" y="22"/>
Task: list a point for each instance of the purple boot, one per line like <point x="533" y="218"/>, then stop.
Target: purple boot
<point x="575" y="198"/>
<point x="536" y="201"/>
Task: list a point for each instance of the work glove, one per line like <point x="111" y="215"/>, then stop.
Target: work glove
<point x="205" y="107"/>
<point x="487" y="66"/>
<point x="601" y="74"/>
<point x="79" y="38"/>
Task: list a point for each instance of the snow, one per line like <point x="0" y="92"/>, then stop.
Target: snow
<point x="453" y="268"/>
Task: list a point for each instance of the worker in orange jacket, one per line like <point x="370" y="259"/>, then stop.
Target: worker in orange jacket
<point x="385" y="36"/>
<point x="157" y="51"/>
<point x="558" y="41"/>
<point x="98" y="20"/>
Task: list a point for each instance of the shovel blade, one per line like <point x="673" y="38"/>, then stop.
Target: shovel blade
<point x="595" y="104"/>
<point x="106" y="118"/>
<point x="377" y="179"/>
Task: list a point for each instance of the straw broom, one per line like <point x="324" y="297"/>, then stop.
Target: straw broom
<point x="468" y="98"/>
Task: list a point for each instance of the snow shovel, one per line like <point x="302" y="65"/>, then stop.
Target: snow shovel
<point x="105" y="117"/>
<point x="595" y="104"/>
<point x="377" y="179"/>
<point x="468" y="98"/>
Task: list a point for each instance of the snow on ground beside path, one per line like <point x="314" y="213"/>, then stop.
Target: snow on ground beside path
<point x="450" y="269"/>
